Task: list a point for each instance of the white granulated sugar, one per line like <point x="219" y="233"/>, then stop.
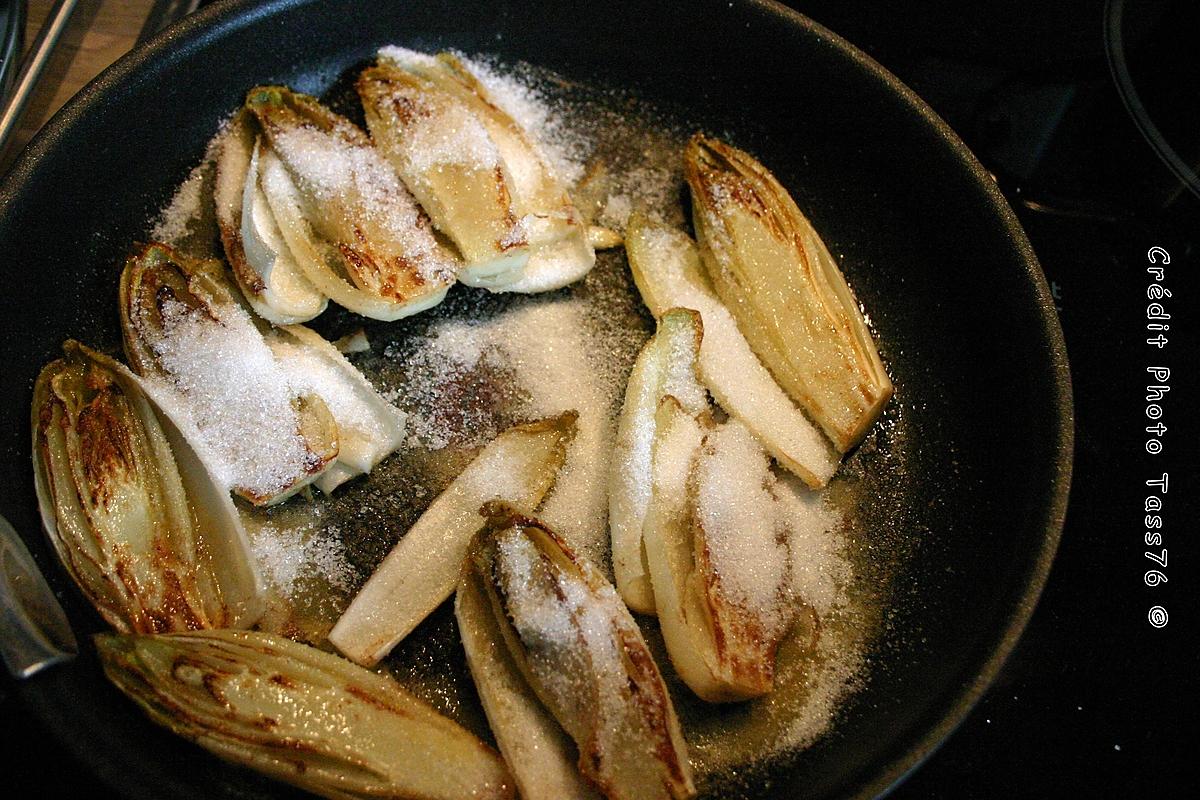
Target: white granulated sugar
<point x="564" y="147"/>
<point x="495" y="476"/>
<point x="738" y="513"/>
<point x="405" y="56"/>
<point x="616" y="211"/>
<point x="648" y="189"/>
<point x="550" y="349"/>
<point x="175" y="221"/>
<point x="461" y="343"/>
<point x="443" y="361"/>
<point x="541" y="618"/>
<point x="827" y="683"/>
<point x="680" y="379"/>
<point x="820" y="571"/>
<point x="552" y="353"/>
<point x="675" y="449"/>
<point x="290" y="555"/>
<point x="237" y="396"/>
<point x="452" y="135"/>
<point x="354" y="182"/>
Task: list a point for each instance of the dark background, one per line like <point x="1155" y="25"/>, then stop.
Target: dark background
<point x="1094" y="701"/>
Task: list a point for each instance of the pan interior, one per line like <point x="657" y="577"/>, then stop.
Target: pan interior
<point x="952" y="499"/>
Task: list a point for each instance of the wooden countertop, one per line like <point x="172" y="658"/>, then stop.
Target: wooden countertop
<point x="100" y="32"/>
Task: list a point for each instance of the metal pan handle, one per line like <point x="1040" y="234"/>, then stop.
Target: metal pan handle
<point x="34" y="632"/>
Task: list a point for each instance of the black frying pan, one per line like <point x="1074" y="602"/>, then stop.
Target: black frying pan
<point x="959" y="302"/>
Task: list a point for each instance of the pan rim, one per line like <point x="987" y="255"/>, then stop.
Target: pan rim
<point x="181" y="40"/>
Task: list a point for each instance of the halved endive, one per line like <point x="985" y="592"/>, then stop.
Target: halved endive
<point x="666" y="366"/>
<point x="779" y="280"/>
<point x="583" y="657"/>
<point x="343" y="216"/>
<point x="440" y="126"/>
<point x="667" y="270"/>
<point x="207" y="366"/>
<point x="443" y="152"/>
<point x="540" y="754"/>
<point x="717" y="553"/>
<point x="136" y="519"/>
<point x="302" y="716"/>
<point x="518" y="466"/>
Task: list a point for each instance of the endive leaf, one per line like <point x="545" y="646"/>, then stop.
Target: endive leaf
<point x="713" y="540"/>
<point x="667" y="270"/>
<point x="581" y="652"/>
<point x="302" y="716"/>
<point x="369" y="427"/>
<point x="262" y="264"/>
<point x="547" y="219"/>
<point x="782" y="285"/>
<point x="419" y="574"/>
<point x="446" y="158"/>
<point x="666" y="366"/>
<point x="540" y="755"/>
<point x="139" y="523"/>
<point x="208" y="367"/>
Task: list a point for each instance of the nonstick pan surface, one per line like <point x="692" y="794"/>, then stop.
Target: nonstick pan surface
<point x="956" y="295"/>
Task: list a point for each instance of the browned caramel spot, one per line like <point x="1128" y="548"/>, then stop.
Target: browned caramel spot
<point x="406" y="109"/>
<point x="504" y="200"/>
<point x="106" y="445"/>
<point x="393" y="278"/>
<point x="375" y="700"/>
<point x="209" y="677"/>
<point x="283" y="680"/>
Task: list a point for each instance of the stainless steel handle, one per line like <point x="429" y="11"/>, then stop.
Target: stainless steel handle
<point x="34" y="632"/>
<point x="32" y="68"/>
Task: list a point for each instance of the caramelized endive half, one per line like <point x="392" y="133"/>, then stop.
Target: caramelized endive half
<point x="302" y="716"/>
<point x="419" y="574"/>
<point x="447" y="159"/>
<point x="583" y="656"/>
<point x="136" y="519"/>
<point x="716" y="554"/>
<point x="667" y="270"/>
<point x="547" y="221"/>
<point x="782" y="285"/>
<point x="666" y="366"/>
<point x="342" y="215"/>
<point x="207" y="366"/>
<point x="540" y="754"/>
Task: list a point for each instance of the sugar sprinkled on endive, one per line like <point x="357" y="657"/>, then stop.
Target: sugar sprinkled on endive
<point x="740" y="520"/>
<point x="340" y="171"/>
<point x="235" y="393"/>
